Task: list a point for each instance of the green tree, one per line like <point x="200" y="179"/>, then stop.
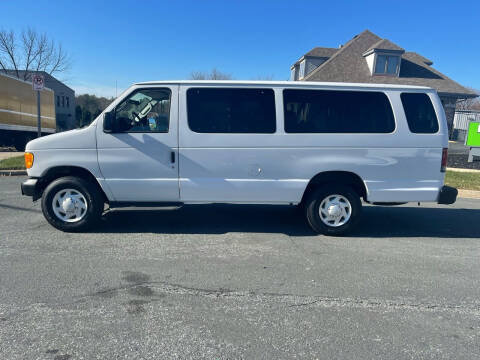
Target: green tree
<point x="89" y="107"/>
<point x="78" y="115"/>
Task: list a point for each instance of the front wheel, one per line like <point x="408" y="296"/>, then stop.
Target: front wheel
<point x="333" y="209"/>
<point x="72" y="204"/>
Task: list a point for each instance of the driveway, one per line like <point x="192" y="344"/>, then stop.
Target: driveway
<point x="224" y="281"/>
<point x="457" y="148"/>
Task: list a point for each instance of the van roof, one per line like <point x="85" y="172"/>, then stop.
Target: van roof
<point x="285" y="83"/>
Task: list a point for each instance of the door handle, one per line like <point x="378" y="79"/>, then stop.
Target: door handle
<point x="172" y="157"/>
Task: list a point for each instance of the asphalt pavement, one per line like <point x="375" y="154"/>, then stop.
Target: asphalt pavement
<point x="252" y="282"/>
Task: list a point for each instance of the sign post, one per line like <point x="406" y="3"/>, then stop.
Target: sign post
<point x="38" y="83"/>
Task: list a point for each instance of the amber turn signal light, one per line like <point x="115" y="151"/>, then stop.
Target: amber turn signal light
<point x="28" y="160"/>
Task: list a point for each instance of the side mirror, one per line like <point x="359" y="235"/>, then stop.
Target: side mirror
<point x="109" y="121"/>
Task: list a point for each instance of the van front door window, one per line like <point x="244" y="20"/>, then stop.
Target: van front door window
<point x="145" y="110"/>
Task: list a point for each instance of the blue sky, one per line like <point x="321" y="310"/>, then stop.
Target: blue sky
<point x="130" y="41"/>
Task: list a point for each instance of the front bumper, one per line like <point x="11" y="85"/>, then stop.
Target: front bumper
<point x="29" y="186"/>
<point x="447" y="195"/>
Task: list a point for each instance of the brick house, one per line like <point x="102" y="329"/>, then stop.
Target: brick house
<point x="367" y="58"/>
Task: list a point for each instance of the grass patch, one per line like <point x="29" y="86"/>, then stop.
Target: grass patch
<point x="463" y="180"/>
<point x="14" y="163"/>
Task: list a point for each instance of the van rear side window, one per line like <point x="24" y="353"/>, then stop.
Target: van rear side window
<point x="326" y="111"/>
<point x="421" y="117"/>
<point x="226" y="110"/>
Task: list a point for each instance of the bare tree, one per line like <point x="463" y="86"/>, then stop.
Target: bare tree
<point x="465" y="104"/>
<point x="214" y="74"/>
<point x="8" y="51"/>
<point x="31" y="52"/>
<point x="476" y="106"/>
<point x="29" y="41"/>
<point x="469" y="103"/>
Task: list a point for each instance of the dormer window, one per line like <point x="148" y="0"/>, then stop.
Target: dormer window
<point x="387" y="64"/>
<point x="384" y="58"/>
<point x="310" y="61"/>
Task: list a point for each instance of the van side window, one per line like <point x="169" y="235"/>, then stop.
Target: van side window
<point x="145" y="110"/>
<point x="421" y="117"/>
<point x="328" y="111"/>
<point x="226" y="110"/>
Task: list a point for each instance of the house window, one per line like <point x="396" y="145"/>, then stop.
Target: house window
<point x="386" y="64"/>
<point x="63" y="101"/>
<point x="68" y="102"/>
<point x="58" y="101"/>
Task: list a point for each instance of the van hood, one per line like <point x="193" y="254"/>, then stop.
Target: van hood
<point x="73" y="139"/>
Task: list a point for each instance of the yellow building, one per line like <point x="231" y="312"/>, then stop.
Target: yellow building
<point x="18" y="112"/>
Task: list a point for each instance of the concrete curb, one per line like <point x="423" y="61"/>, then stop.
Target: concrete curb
<point x="469" y="194"/>
<point x="13" y="172"/>
<point x="463" y="170"/>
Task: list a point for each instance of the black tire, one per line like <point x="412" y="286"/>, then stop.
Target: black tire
<point x="312" y="209"/>
<point x="92" y="195"/>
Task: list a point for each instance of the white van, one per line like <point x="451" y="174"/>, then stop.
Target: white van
<point x="324" y="146"/>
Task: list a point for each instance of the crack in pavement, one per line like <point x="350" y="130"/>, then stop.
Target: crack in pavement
<point x="296" y="300"/>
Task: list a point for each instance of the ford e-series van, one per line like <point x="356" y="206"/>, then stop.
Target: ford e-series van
<point x="323" y="146"/>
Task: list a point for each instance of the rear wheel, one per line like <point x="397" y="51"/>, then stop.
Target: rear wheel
<point x="72" y="204"/>
<point x="333" y="209"/>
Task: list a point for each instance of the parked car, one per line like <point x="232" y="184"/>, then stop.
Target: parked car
<point x="323" y="146"/>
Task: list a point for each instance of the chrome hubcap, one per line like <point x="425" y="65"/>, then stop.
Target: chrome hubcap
<point x="69" y="205"/>
<point x="335" y="210"/>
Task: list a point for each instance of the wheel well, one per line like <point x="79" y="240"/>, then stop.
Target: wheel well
<point x="337" y="177"/>
<point x="61" y="171"/>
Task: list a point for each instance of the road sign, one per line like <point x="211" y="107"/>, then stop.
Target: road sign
<point x="38" y="82"/>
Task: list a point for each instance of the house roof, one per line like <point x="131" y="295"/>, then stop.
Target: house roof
<point x="324" y="52"/>
<point x="348" y="64"/>
<point x="385" y="44"/>
<point x="321" y="52"/>
<point x="419" y="58"/>
<point x="48" y="78"/>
